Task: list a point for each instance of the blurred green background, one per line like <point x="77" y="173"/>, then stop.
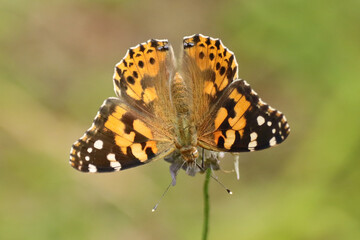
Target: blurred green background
<point x="56" y="66"/>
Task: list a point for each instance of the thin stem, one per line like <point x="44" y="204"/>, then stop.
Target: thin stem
<point x="206" y="204"/>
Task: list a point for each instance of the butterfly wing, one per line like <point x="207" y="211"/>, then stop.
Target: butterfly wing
<point x="241" y="121"/>
<point x="208" y="67"/>
<point x="228" y="114"/>
<point x="136" y="127"/>
<point x="119" y="138"/>
<point x="141" y="78"/>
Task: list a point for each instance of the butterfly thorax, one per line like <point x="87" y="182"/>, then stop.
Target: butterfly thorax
<point x="186" y="138"/>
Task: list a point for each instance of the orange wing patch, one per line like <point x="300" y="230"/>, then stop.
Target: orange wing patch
<point x="230" y="119"/>
<point x="210" y="54"/>
<point x="135" y="73"/>
<point x="241" y="121"/>
<point x="118" y="139"/>
<point x="238" y="122"/>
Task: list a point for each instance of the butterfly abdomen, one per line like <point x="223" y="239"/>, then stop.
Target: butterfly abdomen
<point x="179" y="96"/>
<point x="186" y="138"/>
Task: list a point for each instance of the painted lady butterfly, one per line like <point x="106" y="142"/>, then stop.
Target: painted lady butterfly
<point x="163" y="110"/>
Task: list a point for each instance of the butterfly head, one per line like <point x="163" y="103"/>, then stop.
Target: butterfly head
<point x="189" y="153"/>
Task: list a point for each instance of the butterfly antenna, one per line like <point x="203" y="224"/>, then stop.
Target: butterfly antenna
<point x="166" y="190"/>
<point x="212" y="176"/>
<point x="157" y="204"/>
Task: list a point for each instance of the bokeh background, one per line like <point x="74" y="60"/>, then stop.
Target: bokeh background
<point x="56" y="66"/>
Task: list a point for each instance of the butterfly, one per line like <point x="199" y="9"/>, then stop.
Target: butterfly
<point x="169" y="110"/>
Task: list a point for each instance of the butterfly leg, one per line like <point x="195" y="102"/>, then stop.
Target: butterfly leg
<point x="203" y="158"/>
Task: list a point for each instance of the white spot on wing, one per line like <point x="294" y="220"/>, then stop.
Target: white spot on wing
<point x="253" y="136"/>
<point x="272" y="141"/>
<point x="89" y="150"/>
<point x="98" y="144"/>
<point x="252" y="144"/>
<point x="111" y="157"/>
<point x="273" y="130"/>
<point x="87" y="158"/>
<point x="269" y="123"/>
<point x="92" y="168"/>
<point x="261" y="102"/>
<point x="115" y="165"/>
<point x="260" y="120"/>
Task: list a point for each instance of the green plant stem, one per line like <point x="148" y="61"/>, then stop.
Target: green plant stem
<point x="206" y="204"/>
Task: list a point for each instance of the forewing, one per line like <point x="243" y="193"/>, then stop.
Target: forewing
<point x="119" y="138"/>
<point x="141" y="78"/>
<point x="208" y="67"/>
<point x="240" y="121"/>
